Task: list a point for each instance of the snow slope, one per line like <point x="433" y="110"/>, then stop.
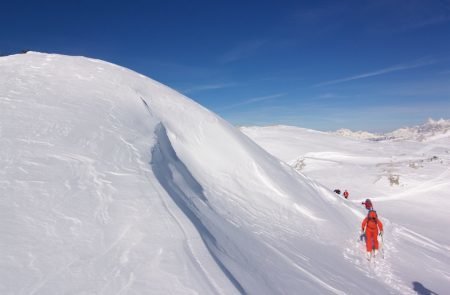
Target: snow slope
<point x="408" y="182"/>
<point x="112" y="183"/>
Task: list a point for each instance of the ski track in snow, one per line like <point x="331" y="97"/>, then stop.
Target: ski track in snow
<point x="381" y="266"/>
<point x="422" y="241"/>
<point x="307" y="273"/>
<point x="378" y="267"/>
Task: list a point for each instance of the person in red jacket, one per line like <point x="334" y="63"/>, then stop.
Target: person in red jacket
<point x="370" y="226"/>
<point x="346" y="194"/>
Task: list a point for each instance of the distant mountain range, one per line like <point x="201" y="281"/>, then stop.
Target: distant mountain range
<point x="432" y="129"/>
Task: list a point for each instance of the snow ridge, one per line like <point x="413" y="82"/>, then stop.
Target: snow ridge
<point x="187" y="193"/>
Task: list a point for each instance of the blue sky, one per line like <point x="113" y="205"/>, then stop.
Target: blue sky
<point x="363" y="65"/>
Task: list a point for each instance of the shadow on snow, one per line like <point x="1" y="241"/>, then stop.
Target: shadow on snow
<point x="184" y="190"/>
<point x="421" y="290"/>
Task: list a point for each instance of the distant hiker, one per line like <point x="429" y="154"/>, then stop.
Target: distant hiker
<point x="346" y="194"/>
<point x="370" y="226"/>
<point x="368" y="204"/>
<point x="337" y="191"/>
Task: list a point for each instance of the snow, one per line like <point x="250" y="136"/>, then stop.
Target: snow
<point x="431" y="130"/>
<point x="357" y="134"/>
<point x="414" y="209"/>
<point x="112" y="183"/>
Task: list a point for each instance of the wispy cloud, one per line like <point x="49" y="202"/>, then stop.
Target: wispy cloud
<point x="241" y="51"/>
<point x="396" y="68"/>
<point x="253" y="100"/>
<point x="209" y="87"/>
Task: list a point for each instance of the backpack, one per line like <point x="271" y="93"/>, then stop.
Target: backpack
<point x="368" y="205"/>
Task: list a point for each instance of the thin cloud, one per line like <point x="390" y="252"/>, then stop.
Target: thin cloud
<point x="402" y="67"/>
<point x="241" y="51"/>
<point x="209" y="87"/>
<point x="253" y="100"/>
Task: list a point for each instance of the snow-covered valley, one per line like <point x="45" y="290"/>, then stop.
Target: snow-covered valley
<point x="112" y="183"/>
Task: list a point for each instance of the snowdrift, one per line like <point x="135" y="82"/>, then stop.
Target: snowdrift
<point x="112" y="183"/>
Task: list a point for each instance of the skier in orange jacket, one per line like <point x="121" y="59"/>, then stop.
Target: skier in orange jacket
<point x="369" y="227"/>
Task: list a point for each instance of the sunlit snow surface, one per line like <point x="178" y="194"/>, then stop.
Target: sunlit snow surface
<point x="111" y="183"/>
<point x="408" y="182"/>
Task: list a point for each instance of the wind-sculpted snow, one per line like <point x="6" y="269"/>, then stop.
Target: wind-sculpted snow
<point x="81" y="210"/>
<point x="112" y="183"/>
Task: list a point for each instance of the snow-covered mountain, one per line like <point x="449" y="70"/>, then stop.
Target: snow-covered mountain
<point x="433" y="129"/>
<point x="358" y="134"/>
<point x="112" y="183"/>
